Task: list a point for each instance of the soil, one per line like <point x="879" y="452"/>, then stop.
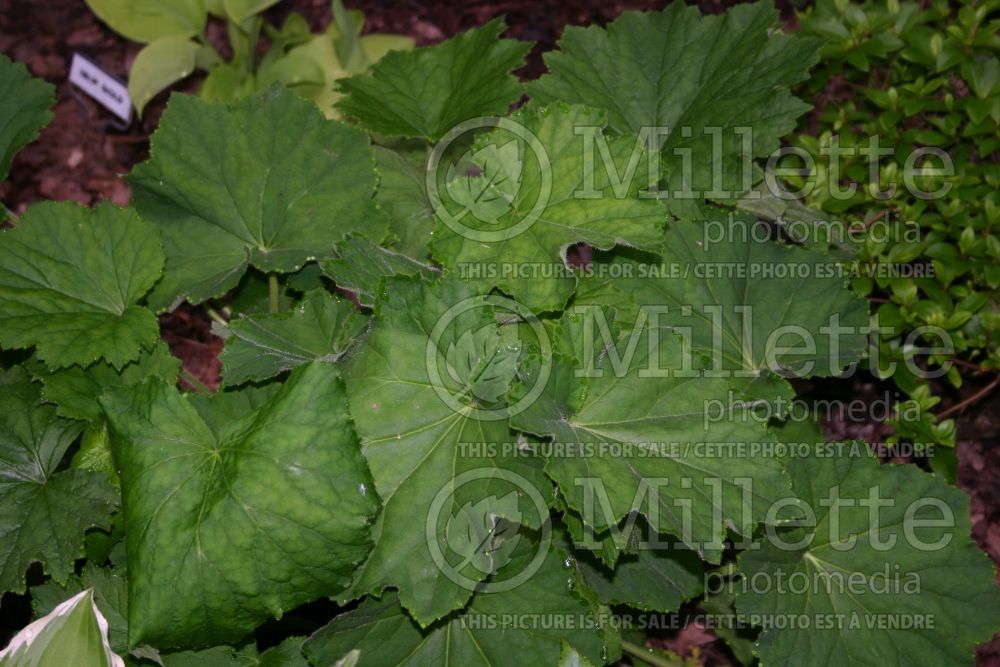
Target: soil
<point x="81" y="155"/>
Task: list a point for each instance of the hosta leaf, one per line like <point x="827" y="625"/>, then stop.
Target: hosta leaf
<point x="676" y="69"/>
<point x="146" y="20"/>
<point x="267" y="181"/>
<point x="75" y="390"/>
<point x="361" y="266"/>
<point x="751" y="305"/>
<point x="43" y="513"/>
<point x="546" y="210"/>
<point x="110" y="592"/>
<point x="417" y="441"/>
<point x="240" y="10"/>
<point x="159" y="65"/>
<point x="110" y="587"/>
<point x="857" y="543"/>
<point x="319" y="329"/>
<point x="427" y="91"/>
<point x="636" y="433"/>
<point x="384" y="635"/>
<point x="226" y="527"/>
<point x="70" y="282"/>
<point x="24" y="110"/>
<point x="74" y="633"/>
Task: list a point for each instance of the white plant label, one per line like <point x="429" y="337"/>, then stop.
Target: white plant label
<point x="106" y="89"/>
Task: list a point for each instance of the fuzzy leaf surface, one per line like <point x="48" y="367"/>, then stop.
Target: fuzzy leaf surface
<point x="24" y="110"/>
<point x="319" y="329"/>
<point x="416" y="443"/>
<point x="750" y="306"/>
<point x="360" y="266"/>
<point x="44" y="511"/>
<point x="70" y="283"/>
<point x="385" y="635"/>
<point x="679" y="70"/>
<point x="853" y="544"/>
<point x="266" y="181"/>
<point x="233" y="522"/>
<point x="635" y="435"/>
<point x="545" y="211"/>
<point x="76" y="390"/>
<point x="427" y="91"/>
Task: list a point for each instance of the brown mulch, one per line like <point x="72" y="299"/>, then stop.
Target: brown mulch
<point x="81" y="155"/>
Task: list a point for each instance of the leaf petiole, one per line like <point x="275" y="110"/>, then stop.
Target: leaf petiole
<point x="272" y="285"/>
<point x="194" y="382"/>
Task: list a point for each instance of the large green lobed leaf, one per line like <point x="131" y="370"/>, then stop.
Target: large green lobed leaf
<point x="530" y="204"/>
<point x="427" y="91"/>
<point x="24" y="110"/>
<point x="486" y="633"/>
<point x="632" y="439"/>
<point x="267" y="181"/>
<point x="748" y="306"/>
<point x="417" y="443"/>
<point x="676" y="69"/>
<point x="233" y="520"/>
<point x="319" y="329"/>
<point x="70" y="283"/>
<point x="910" y="560"/>
<point x="44" y="511"/>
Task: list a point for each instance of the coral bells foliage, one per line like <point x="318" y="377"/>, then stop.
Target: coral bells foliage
<point x="487" y="383"/>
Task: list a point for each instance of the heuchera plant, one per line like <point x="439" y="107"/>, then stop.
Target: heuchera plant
<point x="436" y="410"/>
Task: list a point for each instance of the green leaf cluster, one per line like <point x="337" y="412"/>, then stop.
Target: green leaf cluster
<point x="477" y="467"/>
<point x="919" y="78"/>
<point x="176" y="45"/>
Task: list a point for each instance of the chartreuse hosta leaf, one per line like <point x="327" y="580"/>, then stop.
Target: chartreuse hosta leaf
<point x="146" y="20"/>
<point x="749" y="305"/>
<point x="529" y="200"/>
<point x="231" y="521"/>
<point x="644" y="437"/>
<point x="319" y="329"/>
<point x="70" y="283"/>
<point x="687" y="73"/>
<point x="240" y="10"/>
<point x="360" y="266"/>
<point x="267" y="181"/>
<point x="427" y="91"/>
<point x="483" y="633"/>
<point x="159" y="65"/>
<point x="882" y="556"/>
<point x="110" y="589"/>
<point x="426" y="389"/>
<point x="24" y="110"/>
<point x="74" y="633"/>
<point x="44" y="511"/>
